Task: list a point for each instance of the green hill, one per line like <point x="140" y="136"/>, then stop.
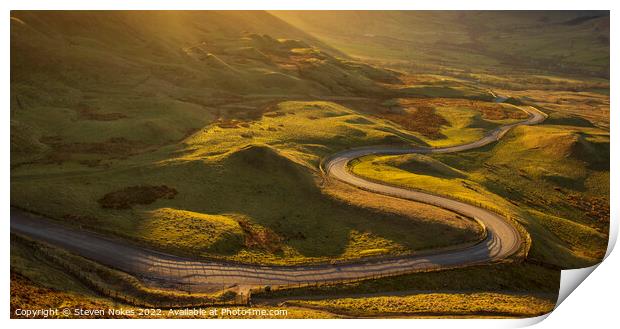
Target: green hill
<point x="113" y="84"/>
<point x="557" y="41"/>
<point x="246" y="191"/>
<point x="201" y="133"/>
<point x="555" y="179"/>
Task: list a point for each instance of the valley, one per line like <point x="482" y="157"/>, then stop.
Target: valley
<point x="324" y="160"/>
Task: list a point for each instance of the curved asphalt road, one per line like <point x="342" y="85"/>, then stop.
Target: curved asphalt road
<point x="161" y="269"/>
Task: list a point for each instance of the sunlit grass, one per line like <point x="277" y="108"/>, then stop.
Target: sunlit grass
<point x="433" y="304"/>
<point x="533" y="171"/>
<point x="249" y="191"/>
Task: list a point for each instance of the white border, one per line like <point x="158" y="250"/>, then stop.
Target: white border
<point x="595" y="303"/>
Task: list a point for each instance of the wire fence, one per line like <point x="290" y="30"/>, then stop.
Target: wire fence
<point x="103" y="281"/>
<point x="265" y="290"/>
<point x="132" y="295"/>
<point x="157" y="299"/>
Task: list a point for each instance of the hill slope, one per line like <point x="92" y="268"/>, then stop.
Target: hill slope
<point x="113" y="84"/>
<point x="560" y="41"/>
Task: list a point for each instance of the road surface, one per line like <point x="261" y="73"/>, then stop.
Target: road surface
<point x="156" y="268"/>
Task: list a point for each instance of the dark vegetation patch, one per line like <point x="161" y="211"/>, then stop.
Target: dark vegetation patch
<point x="132" y="195"/>
<point x="88" y="113"/>
<point x="572" y="183"/>
<point x="274" y="114"/>
<point x="359" y="121"/>
<point x="239" y="113"/>
<point x="491" y="112"/>
<point x="90" y="162"/>
<point x="81" y="219"/>
<point x="421" y="119"/>
<point x="596" y="208"/>
<point x="116" y="146"/>
<point x="420" y="114"/>
<point x="256" y="236"/>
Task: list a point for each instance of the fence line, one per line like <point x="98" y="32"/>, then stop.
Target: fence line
<point x="93" y="281"/>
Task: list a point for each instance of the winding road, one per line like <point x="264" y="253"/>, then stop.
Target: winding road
<point x="156" y="268"/>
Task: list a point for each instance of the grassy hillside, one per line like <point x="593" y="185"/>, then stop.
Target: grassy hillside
<point x="245" y="191"/>
<point x="138" y="121"/>
<point x="119" y="83"/>
<point x="429" y="304"/>
<point x="38" y="283"/>
<point x="568" y="42"/>
<point x="201" y="134"/>
<point x="555" y="179"/>
<point x="92" y="86"/>
<point x="411" y="293"/>
<point x="28" y="295"/>
<point x="450" y="121"/>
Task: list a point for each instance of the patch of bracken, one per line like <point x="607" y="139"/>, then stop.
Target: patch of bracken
<point x="256" y="236"/>
<point x="133" y="195"/>
<point x="422" y="119"/>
